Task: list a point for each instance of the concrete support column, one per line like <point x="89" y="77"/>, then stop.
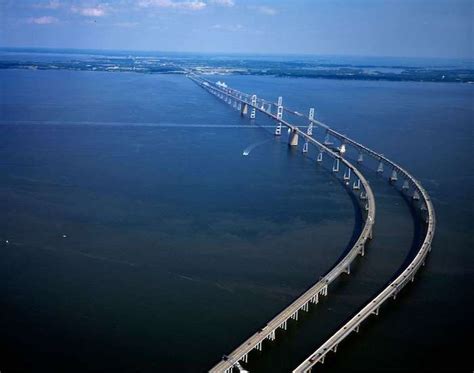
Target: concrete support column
<point x="305" y="147"/>
<point x="309" y="131"/>
<point x="335" y="166"/>
<point x="254" y="104"/>
<point x="347" y="174"/>
<point x="327" y="140"/>
<point x="380" y="167"/>
<point x="293" y="140"/>
<point x="356" y="185"/>
<point x="320" y="157"/>
<point x="279" y="117"/>
<point x="394" y="176"/>
<point x="245" y="109"/>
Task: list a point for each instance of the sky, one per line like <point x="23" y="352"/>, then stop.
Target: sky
<point x="399" y="28"/>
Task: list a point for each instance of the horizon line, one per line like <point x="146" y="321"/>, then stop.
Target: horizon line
<point x="282" y="54"/>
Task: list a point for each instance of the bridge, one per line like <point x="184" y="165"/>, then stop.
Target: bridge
<point x="251" y="105"/>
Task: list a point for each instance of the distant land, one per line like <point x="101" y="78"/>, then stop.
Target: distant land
<point x="326" y="67"/>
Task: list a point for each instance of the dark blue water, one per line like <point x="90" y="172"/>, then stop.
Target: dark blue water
<point x="141" y="239"/>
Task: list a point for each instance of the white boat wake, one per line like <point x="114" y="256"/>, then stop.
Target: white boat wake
<point x="249" y="148"/>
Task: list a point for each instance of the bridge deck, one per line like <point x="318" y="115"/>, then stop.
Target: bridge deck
<point x="391" y="290"/>
<point x="320" y="288"/>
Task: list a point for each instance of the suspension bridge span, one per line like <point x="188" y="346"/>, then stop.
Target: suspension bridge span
<point x="250" y="105"/>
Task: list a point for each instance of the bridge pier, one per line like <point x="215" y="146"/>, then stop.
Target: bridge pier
<point x="269" y="108"/>
<point x="394" y="176"/>
<point x="334" y="349"/>
<point x="254" y="104"/>
<point x="320" y="156"/>
<point x="362" y="250"/>
<point x="347" y="174"/>
<point x="356" y="185"/>
<point x="376" y="312"/>
<point x="305" y="147"/>
<point x="309" y="131"/>
<point x="271" y="336"/>
<point x="416" y="195"/>
<point x="280" y="101"/>
<point x="360" y="159"/>
<point x="348" y="269"/>
<point x="327" y="140"/>
<point x="279" y="117"/>
<point x="245" y="109"/>
<point x="335" y="166"/>
<point x="380" y="167"/>
<point x="293" y="140"/>
<point x="406" y="185"/>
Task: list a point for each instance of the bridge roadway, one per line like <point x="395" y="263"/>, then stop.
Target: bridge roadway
<point x="321" y="287"/>
<point x="407" y="274"/>
<point x="390" y="291"/>
<point x="395" y="286"/>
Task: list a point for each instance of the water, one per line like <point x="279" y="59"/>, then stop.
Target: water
<point x="178" y="246"/>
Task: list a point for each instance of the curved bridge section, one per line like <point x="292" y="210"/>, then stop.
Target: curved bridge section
<point x="408" y="274"/>
<point x="246" y="104"/>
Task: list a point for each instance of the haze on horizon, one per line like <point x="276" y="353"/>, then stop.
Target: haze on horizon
<point x="398" y="28"/>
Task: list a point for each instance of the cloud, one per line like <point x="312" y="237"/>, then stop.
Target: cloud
<point x="190" y="5"/>
<point x="53" y="4"/>
<point x="229" y="3"/>
<point x="98" y="11"/>
<point x="232" y="28"/>
<point x="269" y="11"/>
<point x="45" y="20"/>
